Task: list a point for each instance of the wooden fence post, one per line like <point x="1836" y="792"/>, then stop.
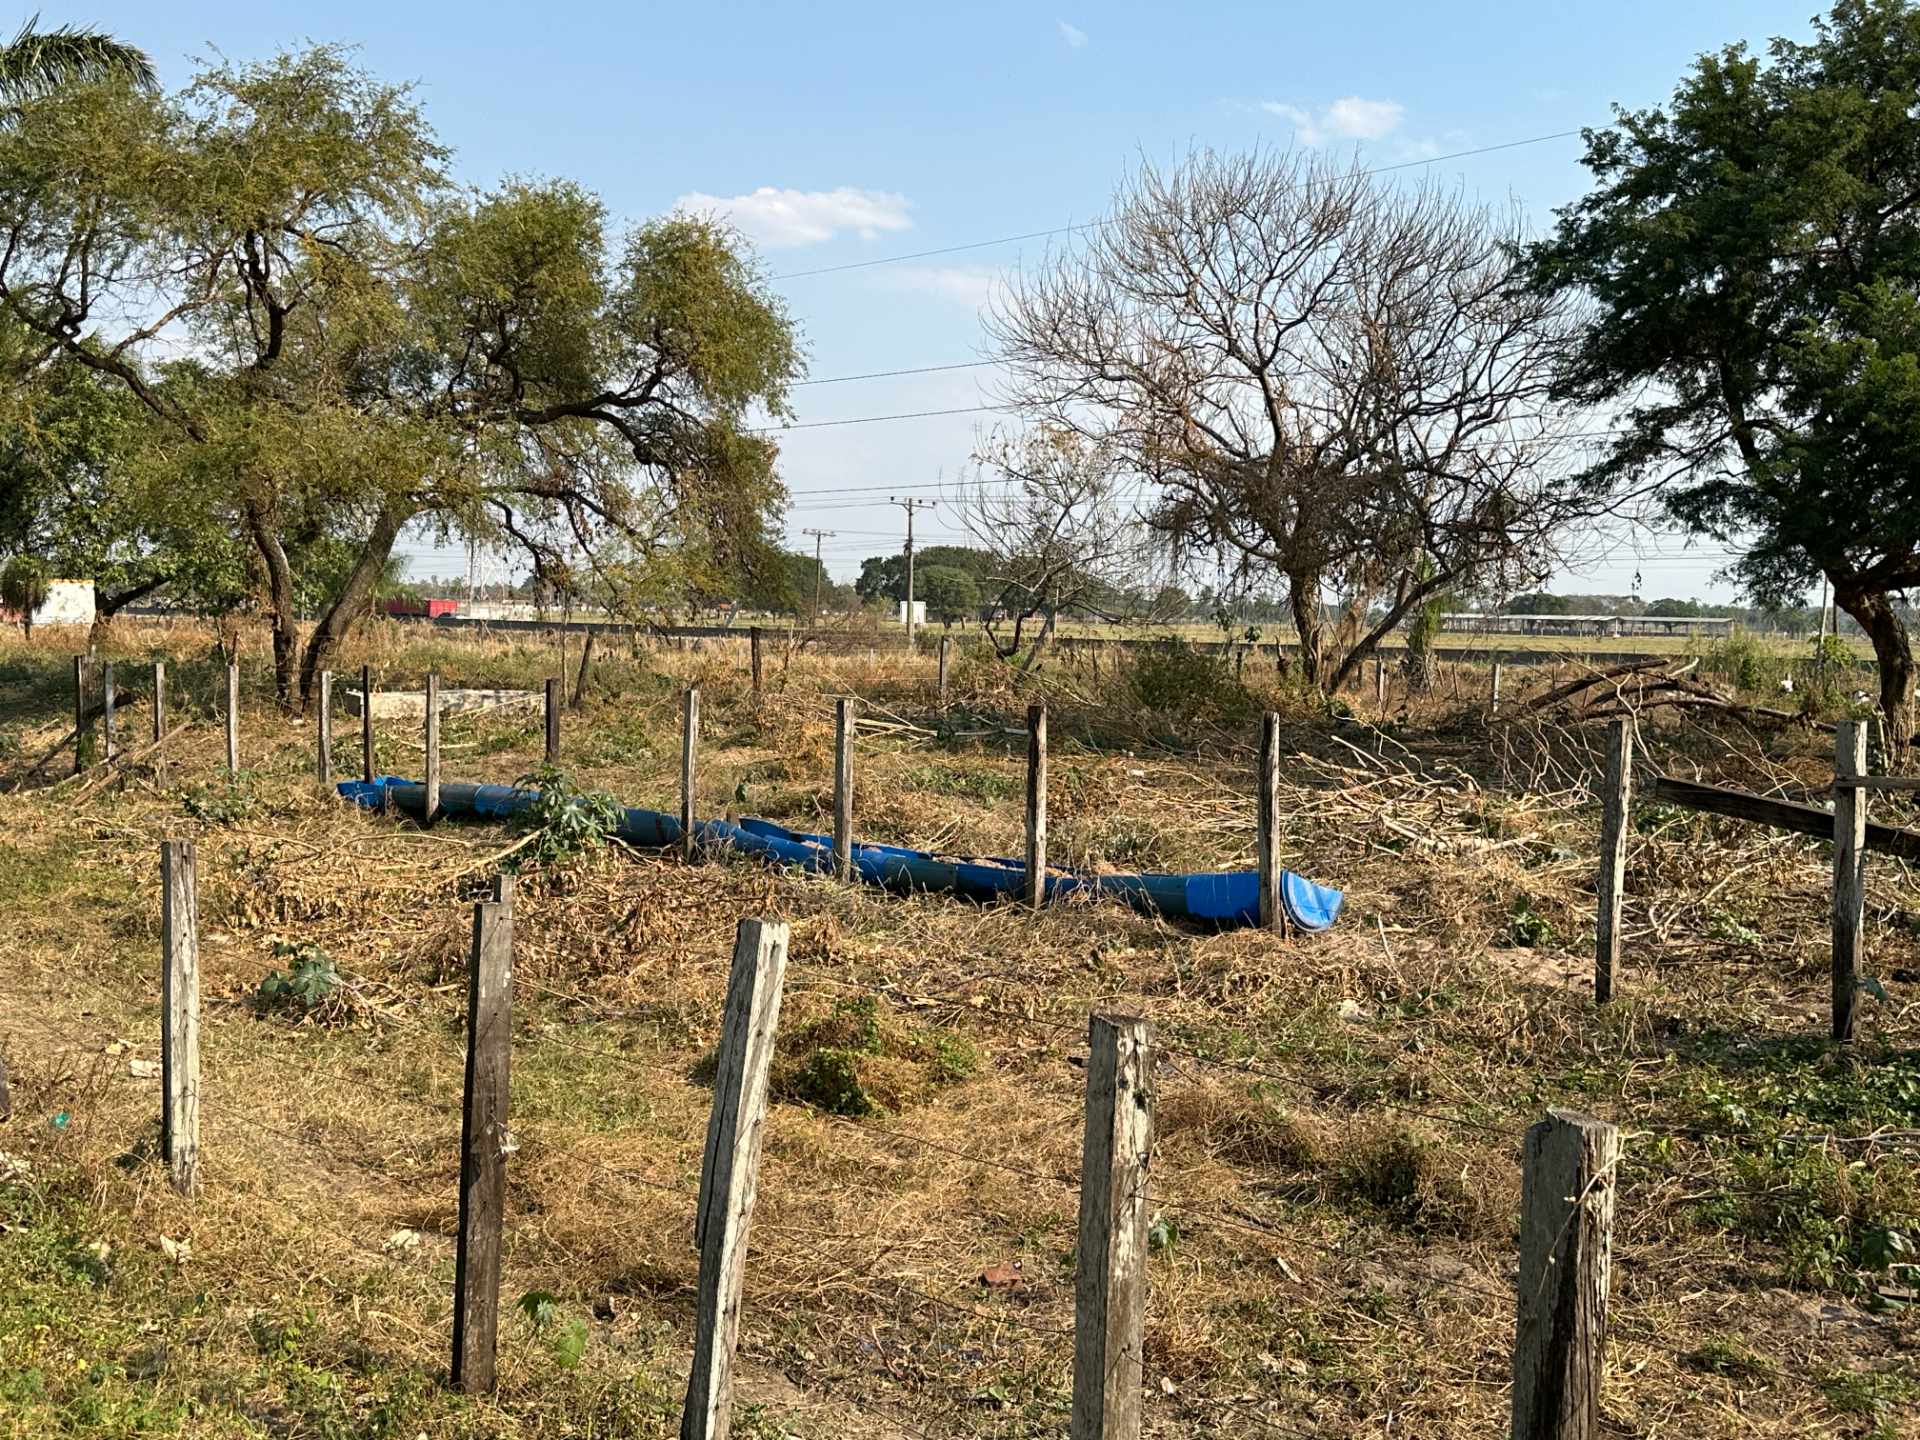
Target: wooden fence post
<point x="484" y="1147"/>
<point x="106" y="711"/>
<point x="1493" y="691"/>
<point x="1610" y="886"/>
<point x="1566" y="1236"/>
<point x="1849" y="870"/>
<point x="753" y="656"/>
<point x="1036" y="805"/>
<point x="946" y="644"/>
<point x="502" y="892"/>
<point x="323" y="731"/>
<point x="553" y="722"/>
<point x="179" y="1013"/>
<point x="233" y="719"/>
<point x="1380" y="682"/>
<point x="843" y="718"/>
<point x="729" y="1175"/>
<point x="431" y="812"/>
<point x="1110" y="1283"/>
<point x="689" y="757"/>
<point x="366" y="722"/>
<point x="79" y="714"/>
<point x="1273" y="915"/>
<point x="159" y="701"/>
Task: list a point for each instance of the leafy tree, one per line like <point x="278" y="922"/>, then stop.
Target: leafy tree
<point x="1324" y="383"/>
<point x="950" y="592"/>
<point x="1752" y="251"/>
<point x="24" y="588"/>
<point x="39" y="62"/>
<point x="886" y="575"/>
<point x="375" y="351"/>
<point x="78" y="496"/>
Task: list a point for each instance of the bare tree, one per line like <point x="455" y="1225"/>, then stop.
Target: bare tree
<point x="1321" y="380"/>
<point x="1060" y="531"/>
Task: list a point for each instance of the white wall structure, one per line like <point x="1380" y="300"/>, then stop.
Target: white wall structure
<point x="69" y="602"/>
<point x="919" y="612"/>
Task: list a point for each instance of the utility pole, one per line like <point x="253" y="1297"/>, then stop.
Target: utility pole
<point x="818" y="571"/>
<point x="911" y="505"/>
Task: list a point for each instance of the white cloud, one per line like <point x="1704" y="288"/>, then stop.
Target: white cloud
<point x="970" y="285"/>
<point x="1348" y="118"/>
<point x="1075" y="37"/>
<point x="780" y="219"/>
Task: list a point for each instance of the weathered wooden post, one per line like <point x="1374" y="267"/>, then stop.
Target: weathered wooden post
<point x="1036" y="804"/>
<point x="431" y="810"/>
<point x="179" y="1014"/>
<point x="843" y="718"/>
<point x="323" y="730"/>
<point x="1493" y="691"/>
<point x="106" y="711"/>
<point x="553" y="721"/>
<point x="1849" y="870"/>
<point x="366" y="722"/>
<point x="1566" y="1236"/>
<point x="729" y="1175"/>
<point x="159" y="701"/>
<point x="1610" y="887"/>
<point x="1380" y="682"/>
<point x="946" y="644"/>
<point x="80" y="731"/>
<point x="1110" y="1282"/>
<point x="1273" y="915"/>
<point x="753" y="657"/>
<point x="689" y="755"/>
<point x="233" y="719"/>
<point x="484" y="1146"/>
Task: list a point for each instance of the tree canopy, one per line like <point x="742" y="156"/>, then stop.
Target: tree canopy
<point x="1322" y="381"/>
<point x="1752" y="251"/>
<point x="327" y="342"/>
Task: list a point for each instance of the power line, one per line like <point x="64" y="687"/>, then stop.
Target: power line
<point x="890" y="374"/>
<point x="1099" y="224"/>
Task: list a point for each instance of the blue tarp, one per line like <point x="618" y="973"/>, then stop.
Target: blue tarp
<point x="1228" y="898"/>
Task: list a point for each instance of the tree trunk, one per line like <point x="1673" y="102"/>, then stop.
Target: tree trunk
<point x="354" y="599"/>
<point x="1303" y="596"/>
<point x="286" y="624"/>
<point x="1893" y="649"/>
<point x="105" y="610"/>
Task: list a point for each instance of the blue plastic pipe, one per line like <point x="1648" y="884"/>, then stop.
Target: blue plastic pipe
<point x="1225" y="897"/>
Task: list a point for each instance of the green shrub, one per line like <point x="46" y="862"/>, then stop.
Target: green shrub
<point x="225" y="801"/>
<point x="1183" y="682"/>
<point x="309" y="984"/>
<point x="565" y="820"/>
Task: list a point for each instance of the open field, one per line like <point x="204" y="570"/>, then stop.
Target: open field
<point x="1335" y="1184"/>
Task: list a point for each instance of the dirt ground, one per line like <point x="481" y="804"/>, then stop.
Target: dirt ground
<point x="1335" y="1184"/>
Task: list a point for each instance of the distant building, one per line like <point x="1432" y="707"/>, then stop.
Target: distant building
<point x="1612" y="626"/>
<point x="919" y="612"/>
<point x="69" y="602"/>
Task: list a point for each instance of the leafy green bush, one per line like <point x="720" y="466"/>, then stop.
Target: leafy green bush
<point x="225" y="801"/>
<point x="1745" y="663"/>
<point x="564" y="820"/>
<point x="307" y="984"/>
<point x="1183" y="682"/>
<point x="565" y="1335"/>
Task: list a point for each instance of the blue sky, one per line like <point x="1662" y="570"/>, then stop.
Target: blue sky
<point x="838" y="133"/>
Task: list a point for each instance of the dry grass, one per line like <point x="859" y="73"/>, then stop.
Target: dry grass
<point x="1339" y="1116"/>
